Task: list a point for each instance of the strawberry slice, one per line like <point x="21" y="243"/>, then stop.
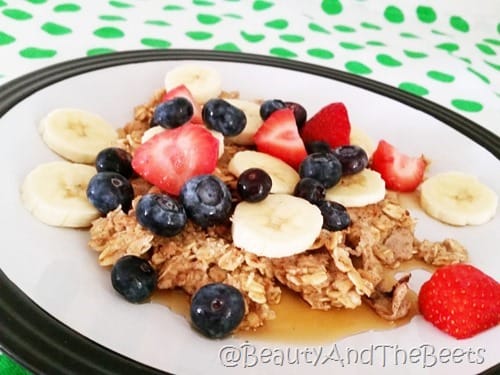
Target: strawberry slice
<point x="170" y="158"/>
<point x="460" y="300"/>
<point x="278" y="136"/>
<point x="399" y="171"/>
<point x="330" y="124"/>
<point x="183" y="92"/>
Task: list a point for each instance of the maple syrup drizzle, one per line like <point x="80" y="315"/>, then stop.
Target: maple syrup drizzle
<point x="296" y="322"/>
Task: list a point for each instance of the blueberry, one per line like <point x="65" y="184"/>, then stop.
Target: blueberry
<point x="114" y="159"/>
<point x="335" y="215"/>
<point x="172" y="113"/>
<point x="161" y="214"/>
<point x="206" y="199"/>
<point x="254" y="184"/>
<point x="299" y="112"/>
<point x="322" y="166"/>
<point x="317" y="146"/>
<point x="310" y="189"/>
<point x="223" y="117"/>
<point x="269" y="106"/>
<point x="217" y="309"/>
<point x="353" y="158"/>
<point x="108" y="190"/>
<point x="134" y="278"/>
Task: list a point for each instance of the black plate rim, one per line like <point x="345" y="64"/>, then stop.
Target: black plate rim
<point x="43" y="344"/>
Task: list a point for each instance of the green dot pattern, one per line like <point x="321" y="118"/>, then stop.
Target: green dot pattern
<point x="388" y="60"/>
<point x="279" y="24"/>
<point x="331" y="7"/>
<point x="17" y="14"/>
<point x="55" y="29"/>
<point x="155" y="43"/>
<point x="390" y="40"/>
<point x="318" y="28"/>
<point x="426" y="14"/>
<point x="413" y="88"/>
<point x="440" y="76"/>
<point x="458" y="23"/>
<point x="467" y="105"/>
<point x="357" y="67"/>
<point x="199" y="35"/>
<point x="208" y="19"/>
<point x="320" y="53"/>
<point x="394" y="14"/>
<point x="262" y="5"/>
<point x="109" y="32"/>
<point x="67" y="7"/>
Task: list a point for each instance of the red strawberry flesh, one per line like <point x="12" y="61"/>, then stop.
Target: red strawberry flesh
<point x="183" y="92"/>
<point x="330" y="124"/>
<point x="460" y="300"/>
<point x="170" y="158"/>
<point x="400" y="172"/>
<point x="278" y="136"/>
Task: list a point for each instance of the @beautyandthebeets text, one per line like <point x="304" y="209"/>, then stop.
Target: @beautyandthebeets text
<point x="426" y="355"/>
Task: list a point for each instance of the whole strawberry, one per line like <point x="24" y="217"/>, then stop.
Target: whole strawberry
<point x="460" y="300"/>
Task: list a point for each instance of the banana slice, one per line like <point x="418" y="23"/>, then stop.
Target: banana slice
<point x="254" y="121"/>
<point x="203" y="82"/>
<point x="284" y="178"/>
<point x="359" y="138"/>
<point x="458" y="199"/>
<point x="358" y="190"/>
<point x="151" y="132"/>
<point x="220" y="137"/>
<point x="56" y="194"/>
<point x="278" y="226"/>
<point x="77" y="135"/>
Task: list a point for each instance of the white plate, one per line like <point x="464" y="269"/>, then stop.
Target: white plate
<point x="55" y="268"/>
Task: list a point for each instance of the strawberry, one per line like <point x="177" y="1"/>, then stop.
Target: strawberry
<point x="183" y="92"/>
<point x="278" y="136"/>
<point x="460" y="300"/>
<point x="330" y="124"/>
<point x="399" y="171"/>
<point x="172" y="157"/>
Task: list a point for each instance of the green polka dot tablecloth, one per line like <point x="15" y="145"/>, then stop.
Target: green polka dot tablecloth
<point x="446" y="51"/>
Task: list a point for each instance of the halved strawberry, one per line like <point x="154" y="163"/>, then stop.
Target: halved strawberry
<point x="399" y="171"/>
<point x="172" y="157"/>
<point x="183" y="92"/>
<point x="460" y="300"/>
<point x="278" y="136"/>
<point x="330" y="124"/>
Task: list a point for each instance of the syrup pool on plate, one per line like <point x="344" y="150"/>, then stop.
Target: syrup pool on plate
<point x="296" y="322"/>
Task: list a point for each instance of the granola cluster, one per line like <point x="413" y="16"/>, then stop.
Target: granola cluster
<point x="342" y="269"/>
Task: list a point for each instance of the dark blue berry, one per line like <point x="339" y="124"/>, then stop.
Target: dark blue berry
<point x="223" y="117"/>
<point x="172" y="113"/>
<point x="217" y="309"/>
<point x="108" y="190"/>
<point x="322" y="166"/>
<point x="207" y="200"/>
<point x="310" y="189"/>
<point x="254" y="184"/>
<point x="299" y="113"/>
<point x="317" y="146"/>
<point x="134" y="278"/>
<point x="269" y="106"/>
<point x="353" y="158"/>
<point x="161" y="214"/>
<point x="114" y="159"/>
<point x="335" y="215"/>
